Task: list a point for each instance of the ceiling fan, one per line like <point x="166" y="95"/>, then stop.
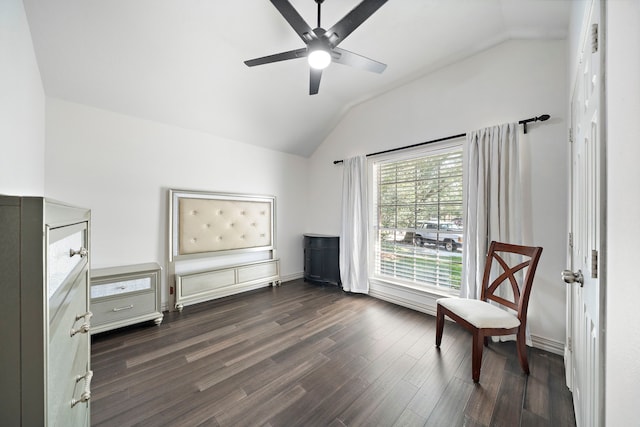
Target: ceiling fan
<point x="322" y="45"/>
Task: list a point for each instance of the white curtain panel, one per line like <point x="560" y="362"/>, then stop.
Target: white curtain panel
<point x="353" y="237"/>
<point x="493" y="196"/>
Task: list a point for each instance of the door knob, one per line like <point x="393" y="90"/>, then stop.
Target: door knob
<point x="570" y="277"/>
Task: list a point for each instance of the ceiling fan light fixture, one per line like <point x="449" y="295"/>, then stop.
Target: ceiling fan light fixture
<point x="319" y="59"/>
<point x="321" y="46"/>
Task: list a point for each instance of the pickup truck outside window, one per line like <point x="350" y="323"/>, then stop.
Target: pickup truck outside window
<point x="444" y="234"/>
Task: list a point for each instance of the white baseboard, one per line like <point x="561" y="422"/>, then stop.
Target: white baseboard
<point x="292" y="276"/>
<point x="546" y="344"/>
<point x="414" y="299"/>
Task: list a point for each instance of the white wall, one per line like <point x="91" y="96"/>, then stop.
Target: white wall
<point x="121" y="167"/>
<point x="512" y="81"/>
<point x="622" y="340"/>
<point x="22" y="103"/>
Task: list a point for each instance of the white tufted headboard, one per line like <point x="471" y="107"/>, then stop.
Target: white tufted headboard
<point x="207" y="224"/>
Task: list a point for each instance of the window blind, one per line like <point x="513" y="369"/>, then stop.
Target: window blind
<point x="419" y="219"/>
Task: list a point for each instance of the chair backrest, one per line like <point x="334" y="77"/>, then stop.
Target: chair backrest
<point x="497" y="253"/>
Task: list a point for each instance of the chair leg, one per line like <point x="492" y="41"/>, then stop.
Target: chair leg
<point x="476" y="355"/>
<point x="521" y="343"/>
<point x="439" y="326"/>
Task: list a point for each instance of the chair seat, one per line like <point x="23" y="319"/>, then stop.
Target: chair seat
<point x="479" y="313"/>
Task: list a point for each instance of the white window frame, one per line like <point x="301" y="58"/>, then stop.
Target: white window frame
<point x="421" y="298"/>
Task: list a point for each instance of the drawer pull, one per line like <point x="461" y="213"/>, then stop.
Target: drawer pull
<point x="85" y="316"/>
<point x="83" y="252"/>
<point x="83" y="329"/>
<point x="86" y="394"/>
<point x="116" y="309"/>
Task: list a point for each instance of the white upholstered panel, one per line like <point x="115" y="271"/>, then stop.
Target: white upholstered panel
<point x="209" y="225"/>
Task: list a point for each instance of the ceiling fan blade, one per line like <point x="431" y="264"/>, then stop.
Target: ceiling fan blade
<point x="294" y="19"/>
<point x="314" y="81"/>
<point x="283" y="56"/>
<point x="352" y="20"/>
<point x="358" y="61"/>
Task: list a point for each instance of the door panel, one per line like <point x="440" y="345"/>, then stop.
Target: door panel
<point x="584" y="305"/>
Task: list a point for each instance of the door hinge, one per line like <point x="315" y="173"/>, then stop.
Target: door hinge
<point x="569" y="344"/>
<point x="594" y="264"/>
<point x="571" y="240"/>
<point x="594" y="38"/>
<point x="570" y="134"/>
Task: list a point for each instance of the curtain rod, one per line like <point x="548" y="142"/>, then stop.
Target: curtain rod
<point x="524" y="122"/>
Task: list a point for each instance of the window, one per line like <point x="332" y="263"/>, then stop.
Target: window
<point x="418" y="218"/>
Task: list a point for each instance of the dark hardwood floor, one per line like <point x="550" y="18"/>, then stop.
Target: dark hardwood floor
<point x="306" y="355"/>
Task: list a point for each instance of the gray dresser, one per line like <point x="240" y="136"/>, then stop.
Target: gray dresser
<point x="125" y="295"/>
<point x="44" y="323"/>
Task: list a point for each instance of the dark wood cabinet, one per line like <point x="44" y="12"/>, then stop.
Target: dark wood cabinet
<point x="322" y="259"/>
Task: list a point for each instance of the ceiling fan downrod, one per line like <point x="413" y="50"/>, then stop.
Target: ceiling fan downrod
<point x="319" y="2"/>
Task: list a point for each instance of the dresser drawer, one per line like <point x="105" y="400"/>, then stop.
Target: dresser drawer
<point x="68" y="354"/>
<point x="124" y="307"/>
<point x="67" y="384"/>
<point x="63" y="337"/>
<point x="66" y="255"/>
<point x="121" y="287"/>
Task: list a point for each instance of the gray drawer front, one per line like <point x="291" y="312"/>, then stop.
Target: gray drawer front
<point x="68" y="355"/>
<point x="61" y="260"/>
<point x="114" y="309"/>
<point x="100" y="290"/>
<point x="66" y="387"/>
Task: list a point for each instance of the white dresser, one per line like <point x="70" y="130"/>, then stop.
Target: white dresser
<point x="45" y="320"/>
<point x="125" y="295"/>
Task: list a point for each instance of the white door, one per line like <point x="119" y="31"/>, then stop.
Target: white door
<point x="585" y="342"/>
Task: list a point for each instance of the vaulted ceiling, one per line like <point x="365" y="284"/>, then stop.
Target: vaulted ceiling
<point x="181" y="61"/>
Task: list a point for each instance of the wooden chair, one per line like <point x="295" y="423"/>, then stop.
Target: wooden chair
<point x="484" y="319"/>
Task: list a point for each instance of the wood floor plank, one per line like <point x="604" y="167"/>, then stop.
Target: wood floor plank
<point x="537" y="392"/>
<point x="244" y="409"/>
<point x="529" y="419"/>
<point x="320" y="385"/>
<point x="393" y="405"/>
<point x="560" y="402"/>
<point x="508" y="407"/>
<point x="408" y="418"/>
<point x="483" y="398"/>
<point x="366" y="404"/>
<point x="449" y="408"/>
<point x="445" y="363"/>
<point x="335" y="403"/>
<point x="307" y="355"/>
